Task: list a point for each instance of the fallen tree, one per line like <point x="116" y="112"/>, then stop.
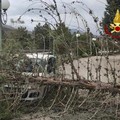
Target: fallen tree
<point x="80" y="84"/>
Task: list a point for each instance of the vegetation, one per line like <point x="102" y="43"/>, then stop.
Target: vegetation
<point x="42" y="36"/>
<point x="79" y="85"/>
<point x="20" y="36"/>
<point x="111" y="8"/>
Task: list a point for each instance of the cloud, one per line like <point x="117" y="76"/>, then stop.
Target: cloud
<point x="17" y="8"/>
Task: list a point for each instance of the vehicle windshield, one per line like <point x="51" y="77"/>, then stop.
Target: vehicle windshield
<point x="36" y="64"/>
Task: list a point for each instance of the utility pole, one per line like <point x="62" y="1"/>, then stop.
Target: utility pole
<point x="0" y="26"/>
<point x="4" y="5"/>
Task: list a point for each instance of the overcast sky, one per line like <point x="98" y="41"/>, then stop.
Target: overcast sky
<point x="18" y="7"/>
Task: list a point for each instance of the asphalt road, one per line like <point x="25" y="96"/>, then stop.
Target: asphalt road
<point x="99" y="68"/>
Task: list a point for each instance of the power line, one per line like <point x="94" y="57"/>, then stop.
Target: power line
<point x="101" y="2"/>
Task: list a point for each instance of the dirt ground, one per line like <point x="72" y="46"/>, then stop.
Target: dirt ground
<point x="55" y="116"/>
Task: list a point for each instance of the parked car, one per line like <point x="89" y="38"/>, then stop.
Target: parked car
<point x="33" y="64"/>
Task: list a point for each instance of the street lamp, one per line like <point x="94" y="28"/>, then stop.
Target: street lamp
<point x="77" y="36"/>
<point x="4" y="5"/>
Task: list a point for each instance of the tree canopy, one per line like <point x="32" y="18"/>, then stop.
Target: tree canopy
<point x="21" y="35"/>
<point x="111" y="8"/>
<point x="42" y="36"/>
